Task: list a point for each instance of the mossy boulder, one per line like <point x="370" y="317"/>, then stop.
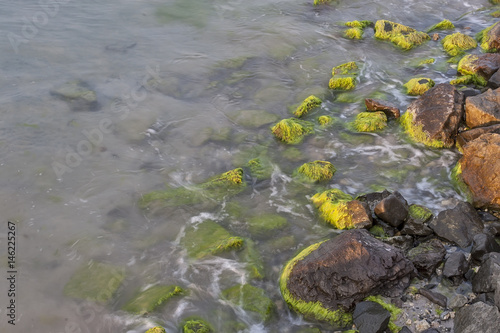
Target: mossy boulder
<point x="292" y="130"/>
<point x="455" y="44"/>
<point x="157" y="329"/>
<point x="399" y="34"/>
<point x="369" y="122"/>
<point x="260" y="168"/>
<point x="263" y="225"/>
<point x="96" y="282"/>
<point x="325" y="121"/>
<point x="196" y="325"/>
<point x="316" y="171"/>
<point x="478" y="68"/>
<point x="418" y="86"/>
<point x="254" y="263"/>
<point x="251" y="299"/>
<point x="209" y="238"/>
<point x="149" y="300"/>
<point x="344" y="76"/>
<point x="443" y="25"/>
<point x="78" y="95"/>
<point x="341" y="211"/>
<point x="489" y="38"/>
<point x="307" y="105"/>
<point x="356" y="29"/>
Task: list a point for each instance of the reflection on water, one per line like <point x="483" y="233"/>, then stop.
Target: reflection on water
<point x="171" y="79"/>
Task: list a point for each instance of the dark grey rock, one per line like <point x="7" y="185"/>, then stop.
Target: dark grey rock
<point x="494" y="81"/>
<point x="496" y="297"/>
<point x="427" y="256"/>
<point x="405" y="330"/>
<point x="485" y="280"/>
<point x="492" y="228"/>
<point x="431" y="330"/>
<point x="393" y="210"/>
<point x="372" y="199"/>
<point x="458" y="225"/>
<point x="434" y="297"/>
<point x="415" y="223"/>
<point x="457" y="301"/>
<point x="455" y="265"/>
<point x="482" y="244"/>
<point x="467" y="136"/>
<point x="475" y="318"/>
<point x="371" y="317"/>
<point x="404" y="243"/>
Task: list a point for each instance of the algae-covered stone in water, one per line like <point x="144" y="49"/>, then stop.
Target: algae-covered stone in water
<point x="196" y="325"/>
<point x="457" y="43"/>
<point x="307" y="105"/>
<point x="370" y="121"/>
<point x="292" y="130"/>
<point x="251" y="299"/>
<point x="149" y="300"/>
<point x="157" y="329"/>
<point x="344" y="76"/>
<point x="261" y="225"/>
<point x="316" y="171"/>
<point x="399" y="34"/>
<point x="418" y="86"/>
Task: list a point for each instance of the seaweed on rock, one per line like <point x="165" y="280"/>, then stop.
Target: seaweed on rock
<point x="325" y="121"/>
<point x="416" y="132"/>
<point x="344" y="76"/>
<point x="356" y="29"/>
<point x="399" y="34"/>
<point x="307" y="105"/>
<point x="418" y="86"/>
<point x="157" y="329"/>
<point x="196" y="325"/>
<point x="369" y="121"/>
<point x="487" y="42"/>
<point x="457" y="43"/>
<point x="251" y="299"/>
<point x="443" y="25"/>
<point x="292" y="130"/>
<point x="316" y="171"/>
<point x="149" y="300"/>
<point x="332" y="205"/>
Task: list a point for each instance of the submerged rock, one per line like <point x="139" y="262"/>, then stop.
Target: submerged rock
<point x="399" y="34"/>
<point x="307" y="105"/>
<point x="455" y="44"/>
<point x="418" y="86"/>
<point x="251" y="299"/>
<point x="475" y="318"/>
<point x="489" y="38"/>
<point x="157" y="329"/>
<point x="427" y="256"/>
<point x="433" y="118"/>
<point x="196" y="325"/>
<point x="149" y="300"/>
<point x="316" y="171"/>
<point x="78" y="94"/>
<point x="292" y="130"/>
<point x="344" y="76"/>
<point x="326" y="279"/>
<point x="443" y="25"/>
<point x="264" y="224"/>
<point x="390" y="110"/>
<point x="370" y="121"/>
<point x="483" y="109"/>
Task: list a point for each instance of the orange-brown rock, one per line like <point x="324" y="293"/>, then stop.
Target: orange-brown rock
<point x="466" y="136"/>
<point x="390" y="110"/>
<point x="483" y="109"/>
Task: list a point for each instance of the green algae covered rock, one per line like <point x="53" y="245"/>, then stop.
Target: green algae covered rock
<point x="252" y="118"/>
<point x="399" y="34"/>
<point x="262" y="225"/>
<point x="457" y="43"/>
<point x="344" y="76"/>
<point x="393" y="310"/>
<point x="307" y="105"/>
<point x="254" y="262"/>
<point x="260" y="168"/>
<point x="417" y="133"/>
<point x="149" y="300"/>
<point x="369" y="122"/>
<point x="419" y="213"/>
<point x="418" y="86"/>
<point x="251" y="299"/>
<point x="95" y="282"/>
<point x="443" y="25"/>
<point x="325" y="121"/>
<point x="332" y="205"/>
<point x="319" y="2"/>
<point x="292" y="130"/>
<point x="78" y="94"/>
<point x="316" y="171"/>
<point x="157" y="329"/>
<point x="473" y="70"/>
<point x="196" y="325"/>
<point x="209" y="238"/>
<point x="314" y="310"/>
<point x="489" y="38"/>
<point x="356" y="29"/>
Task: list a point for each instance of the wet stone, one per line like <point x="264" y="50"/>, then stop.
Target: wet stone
<point x="393" y="210"/>
<point x="456" y="265"/>
<point x="494" y="81"/>
<point x="371" y="317"/>
<point x="466" y="136"/>
<point x="390" y="110"/>
<point x="78" y="95"/>
<point x="485" y="280"/>
<point x="427" y="256"/>
<point x="457" y="301"/>
<point x="475" y="318"/>
<point x="434" y="297"/>
<point x="482" y="244"/>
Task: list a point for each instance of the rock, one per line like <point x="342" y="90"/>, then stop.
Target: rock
<point x="252" y="299"/>
<point x="195" y="325"/>
<point x="369" y="122"/>
<point x="344" y="76"/>
<point x="494" y="81"/>
<point x="427" y="256"/>
<point x="458" y="225"/>
<point x="404" y="243"/>
<point x="400" y="35"/>
<point x="456" y="265"/>
<point x="465" y="137"/>
<point x="390" y="110"/>
<point x="480" y="171"/>
<point x="307" y="105"/>
<point x="475" y="318"/>
<point x="455" y="44"/>
<point x="481" y="66"/>
<point x="156" y="329"/>
<point x="434" y="297"/>
<point x="292" y="130"/>
<point x="415" y="223"/>
<point x="497" y="295"/>
<point x="405" y="330"/>
<point x="489" y="38"/>
<point x="371" y="317"/>
<point x="253" y="118"/>
<point x="417" y="86"/>
<point x="492" y="228"/>
<point x="328" y="278"/>
<point x="431" y="330"/>
<point x="78" y="94"/>
<point x="488" y="275"/>
<point x="434" y="117"/>
<point x="393" y="210"/>
<point x="482" y="244"/>
<point x="265" y="225"/>
<point x="422" y="325"/>
<point x="316" y="171"/>
<point x="457" y="301"/>
<point x="372" y="199"/>
<point x="149" y="300"/>
<point x="483" y="110"/>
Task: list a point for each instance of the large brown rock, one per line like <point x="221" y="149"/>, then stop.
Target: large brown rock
<point x="466" y="136"/>
<point x="344" y="270"/>
<point x="484" y="65"/>
<point x="484" y="109"/>
<point x="480" y="166"/>
<point x="390" y="110"/>
<point x="434" y="117"/>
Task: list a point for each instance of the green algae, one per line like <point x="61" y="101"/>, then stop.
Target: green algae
<point x="348" y="68"/>
<point x="320" y="2"/>
<point x="455" y="44"/>
<point x="419" y="213"/>
<point x="469" y="79"/>
<point x="485" y="40"/>
<point x="316" y="171"/>
<point x="359" y="24"/>
<point x="209" y="238"/>
<point x="469" y="70"/>
<point x="496" y="14"/>
<point x="149" y="300"/>
<point x="325" y="121"/>
<point x="332" y="205"/>
<point x="342" y="83"/>
<point x="260" y="168"/>
<point x="314" y="310"/>
<point x="393" y="310"/>
<point x="400" y="35"/>
<point x="416" y="132"/>
<point x="369" y="122"/>
<point x="251" y="299"/>
<point x="356" y="29"/>
<point x="307" y="105"/>
<point x="443" y="25"/>
<point x="157" y="329"/>
<point x="457" y="181"/>
<point x="264" y="224"/>
<point x="254" y="263"/>
<point x="377" y="231"/>
<point x="343" y="76"/>
<point x="292" y="130"/>
<point x="196" y="325"/>
<point x="95" y="282"/>
<point x="426" y="62"/>
<point x="418" y="86"/>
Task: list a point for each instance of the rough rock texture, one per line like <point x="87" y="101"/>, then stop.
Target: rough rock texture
<point x="372" y="199"/>
<point x="484" y="65"/>
<point x="482" y="244"/>
<point x="458" y="225"/>
<point x="436" y="115"/>
<point x="494" y="81"/>
<point x="488" y="275"/>
<point x="344" y="270"/>
<point x="490" y="38"/>
<point x="464" y="137"/>
<point x="371" y="317"/>
<point x="483" y="110"/>
<point x="434" y="297"/>
<point x="427" y="256"/>
<point x="361" y="216"/>
<point x="415" y="224"/>
<point x="481" y="170"/>
<point x="478" y="317"/>
<point x="390" y="110"/>
<point x="393" y="210"/>
<point x="456" y="265"/>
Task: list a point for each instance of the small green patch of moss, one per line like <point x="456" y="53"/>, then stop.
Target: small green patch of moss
<point x="196" y="325"/>
<point x="393" y="310"/>
<point x="469" y="79"/>
<point x="348" y="97"/>
<point x="251" y="299"/>
<point x="325" y="121"/>
<point x="157" y="329"/>
<point x="95" y="282"/>
<point x="320" y="2"/>
<point x="314" y="310"/>
<point x="359" y="24"/>
<point x="443" y="25"/>
<point x="496" y="14"/>
<point x="399" y="34"/>
<point x="307" y="105"/>
<point x="149" y="300"/>
<point x="419" y="213"/>
<point x="209" y="238"/>
<point x="416" y="132"/>
<point x="418" y="86"/>
<point x="485" y="40"/>
<point x="263" y="224"/>
<point x="458" y="183"/>
<point x="369" y="122"/>
<point x="455" y="44"/>
<point x="332" y="205"/>
<point x="292" y="130"/>
<point x="377" y="231"/>
<point x="316" y="171"/>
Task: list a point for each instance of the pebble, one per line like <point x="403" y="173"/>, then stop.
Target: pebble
<point x="422" y="325"/>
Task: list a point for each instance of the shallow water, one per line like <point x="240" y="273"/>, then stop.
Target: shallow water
<point x="166" y="88"/>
